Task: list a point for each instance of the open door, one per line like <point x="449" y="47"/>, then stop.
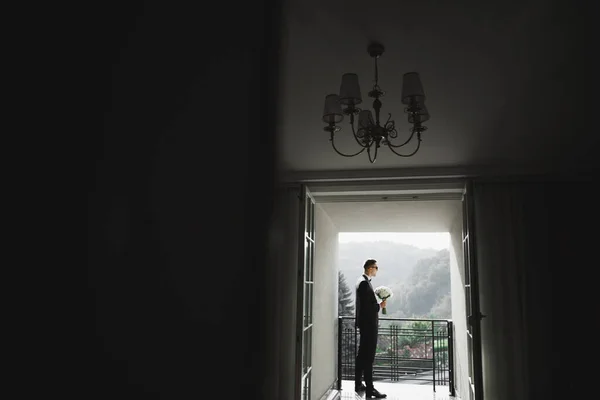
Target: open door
<point x="306" y="251"/>
<point x="474" y="315"/>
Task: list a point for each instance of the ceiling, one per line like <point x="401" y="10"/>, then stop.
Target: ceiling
<point x="500" y="77"/>
<point x="394" y="216"/>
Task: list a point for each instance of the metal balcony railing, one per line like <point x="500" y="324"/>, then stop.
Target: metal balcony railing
<point x="407" y="350"/>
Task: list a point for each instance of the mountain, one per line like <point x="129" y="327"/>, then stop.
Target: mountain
<point x="395" y="260"/>
<point x="419" y="278"/>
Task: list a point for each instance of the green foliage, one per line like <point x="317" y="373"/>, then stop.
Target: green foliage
<point x="414" y="333"/>
<point x="345" y="302"/>
<point x="441" y="345"/>
<point x="346" y="308"/>
<point x="426" y="292"/>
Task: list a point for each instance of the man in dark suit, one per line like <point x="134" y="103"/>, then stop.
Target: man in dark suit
<point x="367" y="321"/>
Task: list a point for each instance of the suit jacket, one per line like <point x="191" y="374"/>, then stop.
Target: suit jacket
<point x="367" y="307"/>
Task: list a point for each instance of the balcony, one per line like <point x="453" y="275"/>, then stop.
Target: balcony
<point x="394" y="391"/>
<point x="409" y="351"/>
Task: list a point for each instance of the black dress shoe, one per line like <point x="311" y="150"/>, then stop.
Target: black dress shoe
<point x="374" y="394"/>
<point x="359" y="388"/>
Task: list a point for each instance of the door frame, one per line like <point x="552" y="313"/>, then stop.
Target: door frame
<point x="305" y="267"/>
<point x="472" y="303"/>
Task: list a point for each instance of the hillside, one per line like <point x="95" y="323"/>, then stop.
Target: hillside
<point x="419" y="278"/>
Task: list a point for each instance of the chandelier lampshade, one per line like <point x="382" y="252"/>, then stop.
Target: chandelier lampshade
<point x="333" y="109"/>
<point x="350" y="90"/>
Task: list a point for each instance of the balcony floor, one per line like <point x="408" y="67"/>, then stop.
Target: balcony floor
<point x="396" y="391"/>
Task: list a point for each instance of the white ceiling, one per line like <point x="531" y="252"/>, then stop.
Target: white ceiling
<point x="394" y="216"/>
<point x="498" y="75"/>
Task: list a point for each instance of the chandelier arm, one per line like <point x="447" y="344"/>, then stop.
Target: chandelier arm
<point x="369" y="153"/>
<point x="387" y="123"/>
<point x="411" y="154"/>
<point x="342" y="154"/>
<point x="405" y="143"/>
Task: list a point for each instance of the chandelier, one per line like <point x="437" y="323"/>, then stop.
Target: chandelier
<point x="370" y="133"/>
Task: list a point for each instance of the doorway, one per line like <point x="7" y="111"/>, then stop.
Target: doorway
<point x="319" y="199"/>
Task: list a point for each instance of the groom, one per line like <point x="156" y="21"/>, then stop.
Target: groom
<point x="367" y="321"/>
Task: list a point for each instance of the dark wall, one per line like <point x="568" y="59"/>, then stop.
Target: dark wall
<point x="181" y="196"/>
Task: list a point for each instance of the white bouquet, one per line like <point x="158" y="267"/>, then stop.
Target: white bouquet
<point x="384" y="293"/>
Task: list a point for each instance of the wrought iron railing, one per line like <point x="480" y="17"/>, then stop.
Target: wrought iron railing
<point x="407" y="350"/>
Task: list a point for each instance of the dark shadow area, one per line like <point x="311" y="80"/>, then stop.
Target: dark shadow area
<point x="180" y="200"/>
